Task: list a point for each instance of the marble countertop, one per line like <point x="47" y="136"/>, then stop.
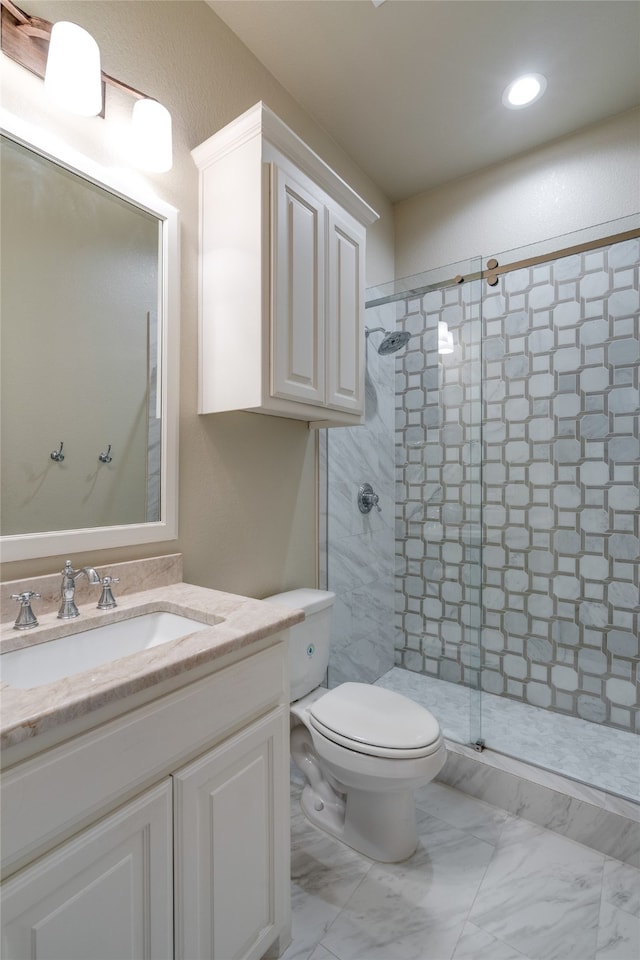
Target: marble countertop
<point x="233" y="623"/>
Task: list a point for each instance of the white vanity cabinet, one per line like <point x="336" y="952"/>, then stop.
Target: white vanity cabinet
<point x="228" y="829"/>
<point x="178" y="808"/>
<point x="106" y="893"/>
<point x="282" y="261"/>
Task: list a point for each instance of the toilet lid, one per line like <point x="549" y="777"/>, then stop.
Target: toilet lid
<point x="374" y="717"/>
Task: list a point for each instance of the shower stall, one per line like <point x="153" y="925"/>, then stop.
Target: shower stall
<point x="496" y="578"/>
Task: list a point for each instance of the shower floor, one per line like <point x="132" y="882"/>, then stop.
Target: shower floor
<point x="603" y="757"/>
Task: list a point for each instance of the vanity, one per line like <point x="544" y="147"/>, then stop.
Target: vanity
<point x="145" y="799"/>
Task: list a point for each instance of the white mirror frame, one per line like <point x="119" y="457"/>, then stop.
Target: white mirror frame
<point x="65" y="542"/>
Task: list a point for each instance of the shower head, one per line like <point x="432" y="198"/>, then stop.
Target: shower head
<point x="392" y="340"/>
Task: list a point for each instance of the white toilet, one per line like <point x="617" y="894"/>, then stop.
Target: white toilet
<point x="363" y="750"/>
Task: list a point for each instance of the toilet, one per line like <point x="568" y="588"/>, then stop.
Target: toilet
<point x="362" y="750"/>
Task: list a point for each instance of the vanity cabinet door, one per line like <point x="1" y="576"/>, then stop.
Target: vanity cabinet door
<point x="104" y="895"/>
<point x="231" y="822"/>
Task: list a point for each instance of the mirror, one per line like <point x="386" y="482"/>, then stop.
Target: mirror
<point x="89" y="354"/>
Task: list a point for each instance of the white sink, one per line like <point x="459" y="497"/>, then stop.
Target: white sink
<point x="54" y="659"/>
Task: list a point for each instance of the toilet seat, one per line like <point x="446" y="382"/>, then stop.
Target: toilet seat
<point x="376" y="722"/>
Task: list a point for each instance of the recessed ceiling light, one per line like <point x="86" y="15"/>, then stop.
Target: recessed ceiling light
<point x="524" y="91"/>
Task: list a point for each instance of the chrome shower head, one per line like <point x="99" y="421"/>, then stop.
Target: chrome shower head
<point x="392" y="342"/>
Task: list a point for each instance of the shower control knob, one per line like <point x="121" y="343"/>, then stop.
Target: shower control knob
<point x="367" y="499"/>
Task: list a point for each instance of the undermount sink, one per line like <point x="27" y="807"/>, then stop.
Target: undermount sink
<point x="52" y="660"/>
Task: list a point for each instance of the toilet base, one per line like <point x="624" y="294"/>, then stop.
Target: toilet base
<point x="381" y="826"/>
<point x="380" y="823"/>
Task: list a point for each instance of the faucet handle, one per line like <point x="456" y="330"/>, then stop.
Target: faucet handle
<point x="107" y="600"/>
<point x="26" y="617"/>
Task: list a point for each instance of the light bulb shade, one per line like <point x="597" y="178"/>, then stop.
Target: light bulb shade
<point x="73" y="77"/>
<point x="151" y="136"/>
<point x="445" y="338"/>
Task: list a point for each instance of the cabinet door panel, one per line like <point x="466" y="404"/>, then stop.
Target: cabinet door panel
<point x="231" y="835"/>
<point x="345" y="341"/>
<point x="105" y="895"/>
<point x="297" y="291"/>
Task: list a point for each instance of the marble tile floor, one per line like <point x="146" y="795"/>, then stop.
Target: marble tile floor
<point x="591" y="753"/>
<point x="482" y="885"/>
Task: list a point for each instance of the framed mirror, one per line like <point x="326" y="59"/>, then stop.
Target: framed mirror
<point x="89" y="348"/>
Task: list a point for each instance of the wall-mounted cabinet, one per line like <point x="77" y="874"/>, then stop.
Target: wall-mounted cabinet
<point x="282" y="260"/>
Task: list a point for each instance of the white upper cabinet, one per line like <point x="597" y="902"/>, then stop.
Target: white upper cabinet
<point x="298" y="294"/>
<point x="282" y="259"/>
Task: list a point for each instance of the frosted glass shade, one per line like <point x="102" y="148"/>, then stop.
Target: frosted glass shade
<point x="73" y="78"/>
<point x="151" y="136"/>
<point x="445" y="338"/>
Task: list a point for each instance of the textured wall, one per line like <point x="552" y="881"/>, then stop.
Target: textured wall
<point x="560" y="485"/>
<point x="247" y="518"/>
<point x="587" y="178"/>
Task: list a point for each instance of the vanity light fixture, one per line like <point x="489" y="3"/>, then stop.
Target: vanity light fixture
<point x="73" y="78"/>
<point x="524" y="91"/>
<point x="445" y="338"/>
<point x="151" y="135"/>
<point x="68" y="58"/>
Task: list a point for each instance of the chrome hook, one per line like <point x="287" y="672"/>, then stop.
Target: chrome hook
<point x="58" y="455"/>
<point x="105" y="456"/>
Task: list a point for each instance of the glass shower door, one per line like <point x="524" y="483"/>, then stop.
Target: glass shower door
<point x="437" y="492"/>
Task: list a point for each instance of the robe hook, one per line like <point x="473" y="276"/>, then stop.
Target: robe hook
<point x="58" y="455"/>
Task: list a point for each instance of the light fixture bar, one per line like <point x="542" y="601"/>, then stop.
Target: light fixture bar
<point x="26" y="40"/>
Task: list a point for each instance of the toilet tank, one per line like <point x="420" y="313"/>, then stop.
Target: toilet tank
<point x="309" y="641"/>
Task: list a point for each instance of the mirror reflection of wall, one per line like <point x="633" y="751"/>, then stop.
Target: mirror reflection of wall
<point x="79" y="347"/>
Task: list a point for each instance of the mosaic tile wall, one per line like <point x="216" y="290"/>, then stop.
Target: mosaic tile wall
<point x="554" y="591"/>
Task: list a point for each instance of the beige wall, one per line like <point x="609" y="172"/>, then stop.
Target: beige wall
<point x="247" y="482"/>
<point x="574" y="183"/>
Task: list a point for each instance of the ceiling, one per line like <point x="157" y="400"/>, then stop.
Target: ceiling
<point x="411" y="89"/>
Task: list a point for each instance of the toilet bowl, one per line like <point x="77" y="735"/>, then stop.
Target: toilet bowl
<point x="362" y="750"/>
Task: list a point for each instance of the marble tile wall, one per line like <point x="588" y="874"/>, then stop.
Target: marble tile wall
<point x="555" y="588"/>
<point x="361" y="547"/>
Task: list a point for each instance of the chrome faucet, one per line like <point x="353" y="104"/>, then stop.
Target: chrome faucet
<point x="68" y="609"/>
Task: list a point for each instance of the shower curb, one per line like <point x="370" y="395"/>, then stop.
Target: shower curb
<point x="600" y="820"/>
